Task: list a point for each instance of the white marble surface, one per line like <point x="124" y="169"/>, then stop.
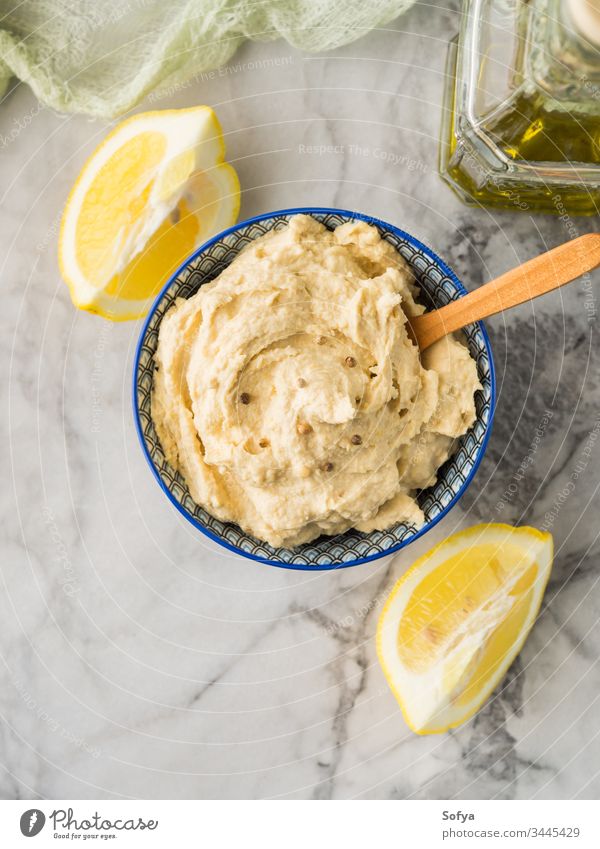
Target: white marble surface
<point x="138" y="659"/>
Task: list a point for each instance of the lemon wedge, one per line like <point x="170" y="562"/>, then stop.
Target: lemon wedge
<point x="154" y="189"/>
<point x="457" y="619"/>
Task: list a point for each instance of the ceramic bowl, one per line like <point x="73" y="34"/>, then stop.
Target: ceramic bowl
<point x="439" y="285"/>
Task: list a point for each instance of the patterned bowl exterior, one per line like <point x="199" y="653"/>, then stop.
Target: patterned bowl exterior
<point x="439" y="286"/>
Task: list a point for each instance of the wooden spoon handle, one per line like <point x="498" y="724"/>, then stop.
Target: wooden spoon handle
<point x="533" y="278"/>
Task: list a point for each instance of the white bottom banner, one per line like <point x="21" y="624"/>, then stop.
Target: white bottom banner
<point x="291" y="824"/>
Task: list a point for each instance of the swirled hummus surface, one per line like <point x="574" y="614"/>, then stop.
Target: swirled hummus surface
<point x="290" y="397"/>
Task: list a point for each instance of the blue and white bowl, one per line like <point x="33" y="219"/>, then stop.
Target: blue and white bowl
<point x="439" y="286"/>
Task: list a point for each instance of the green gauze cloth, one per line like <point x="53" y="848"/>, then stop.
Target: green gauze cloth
<point x="101" y="57"/>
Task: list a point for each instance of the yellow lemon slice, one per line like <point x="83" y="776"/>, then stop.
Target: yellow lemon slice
<point x="155" y="189"/>
<point x="457" y="619"/>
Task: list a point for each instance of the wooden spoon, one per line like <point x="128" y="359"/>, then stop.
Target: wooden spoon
<point x="533" y="278"/>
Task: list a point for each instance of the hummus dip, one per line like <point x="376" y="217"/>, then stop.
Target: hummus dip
<point x="290" y="397"/>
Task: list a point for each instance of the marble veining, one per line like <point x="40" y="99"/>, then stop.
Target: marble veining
<point x="141" y="660"/>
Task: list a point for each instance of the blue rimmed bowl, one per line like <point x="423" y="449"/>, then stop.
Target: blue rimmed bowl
<point x="439" y="286"/>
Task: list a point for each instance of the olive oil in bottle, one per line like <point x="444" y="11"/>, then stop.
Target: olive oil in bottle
<point x="522" y="111"/>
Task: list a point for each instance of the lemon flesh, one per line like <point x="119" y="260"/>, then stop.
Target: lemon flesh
<point x="456" y="620"/>
<point x="155" y="189"/>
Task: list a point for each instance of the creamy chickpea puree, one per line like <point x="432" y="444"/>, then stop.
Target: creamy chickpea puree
<point x="290" y="397"/>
